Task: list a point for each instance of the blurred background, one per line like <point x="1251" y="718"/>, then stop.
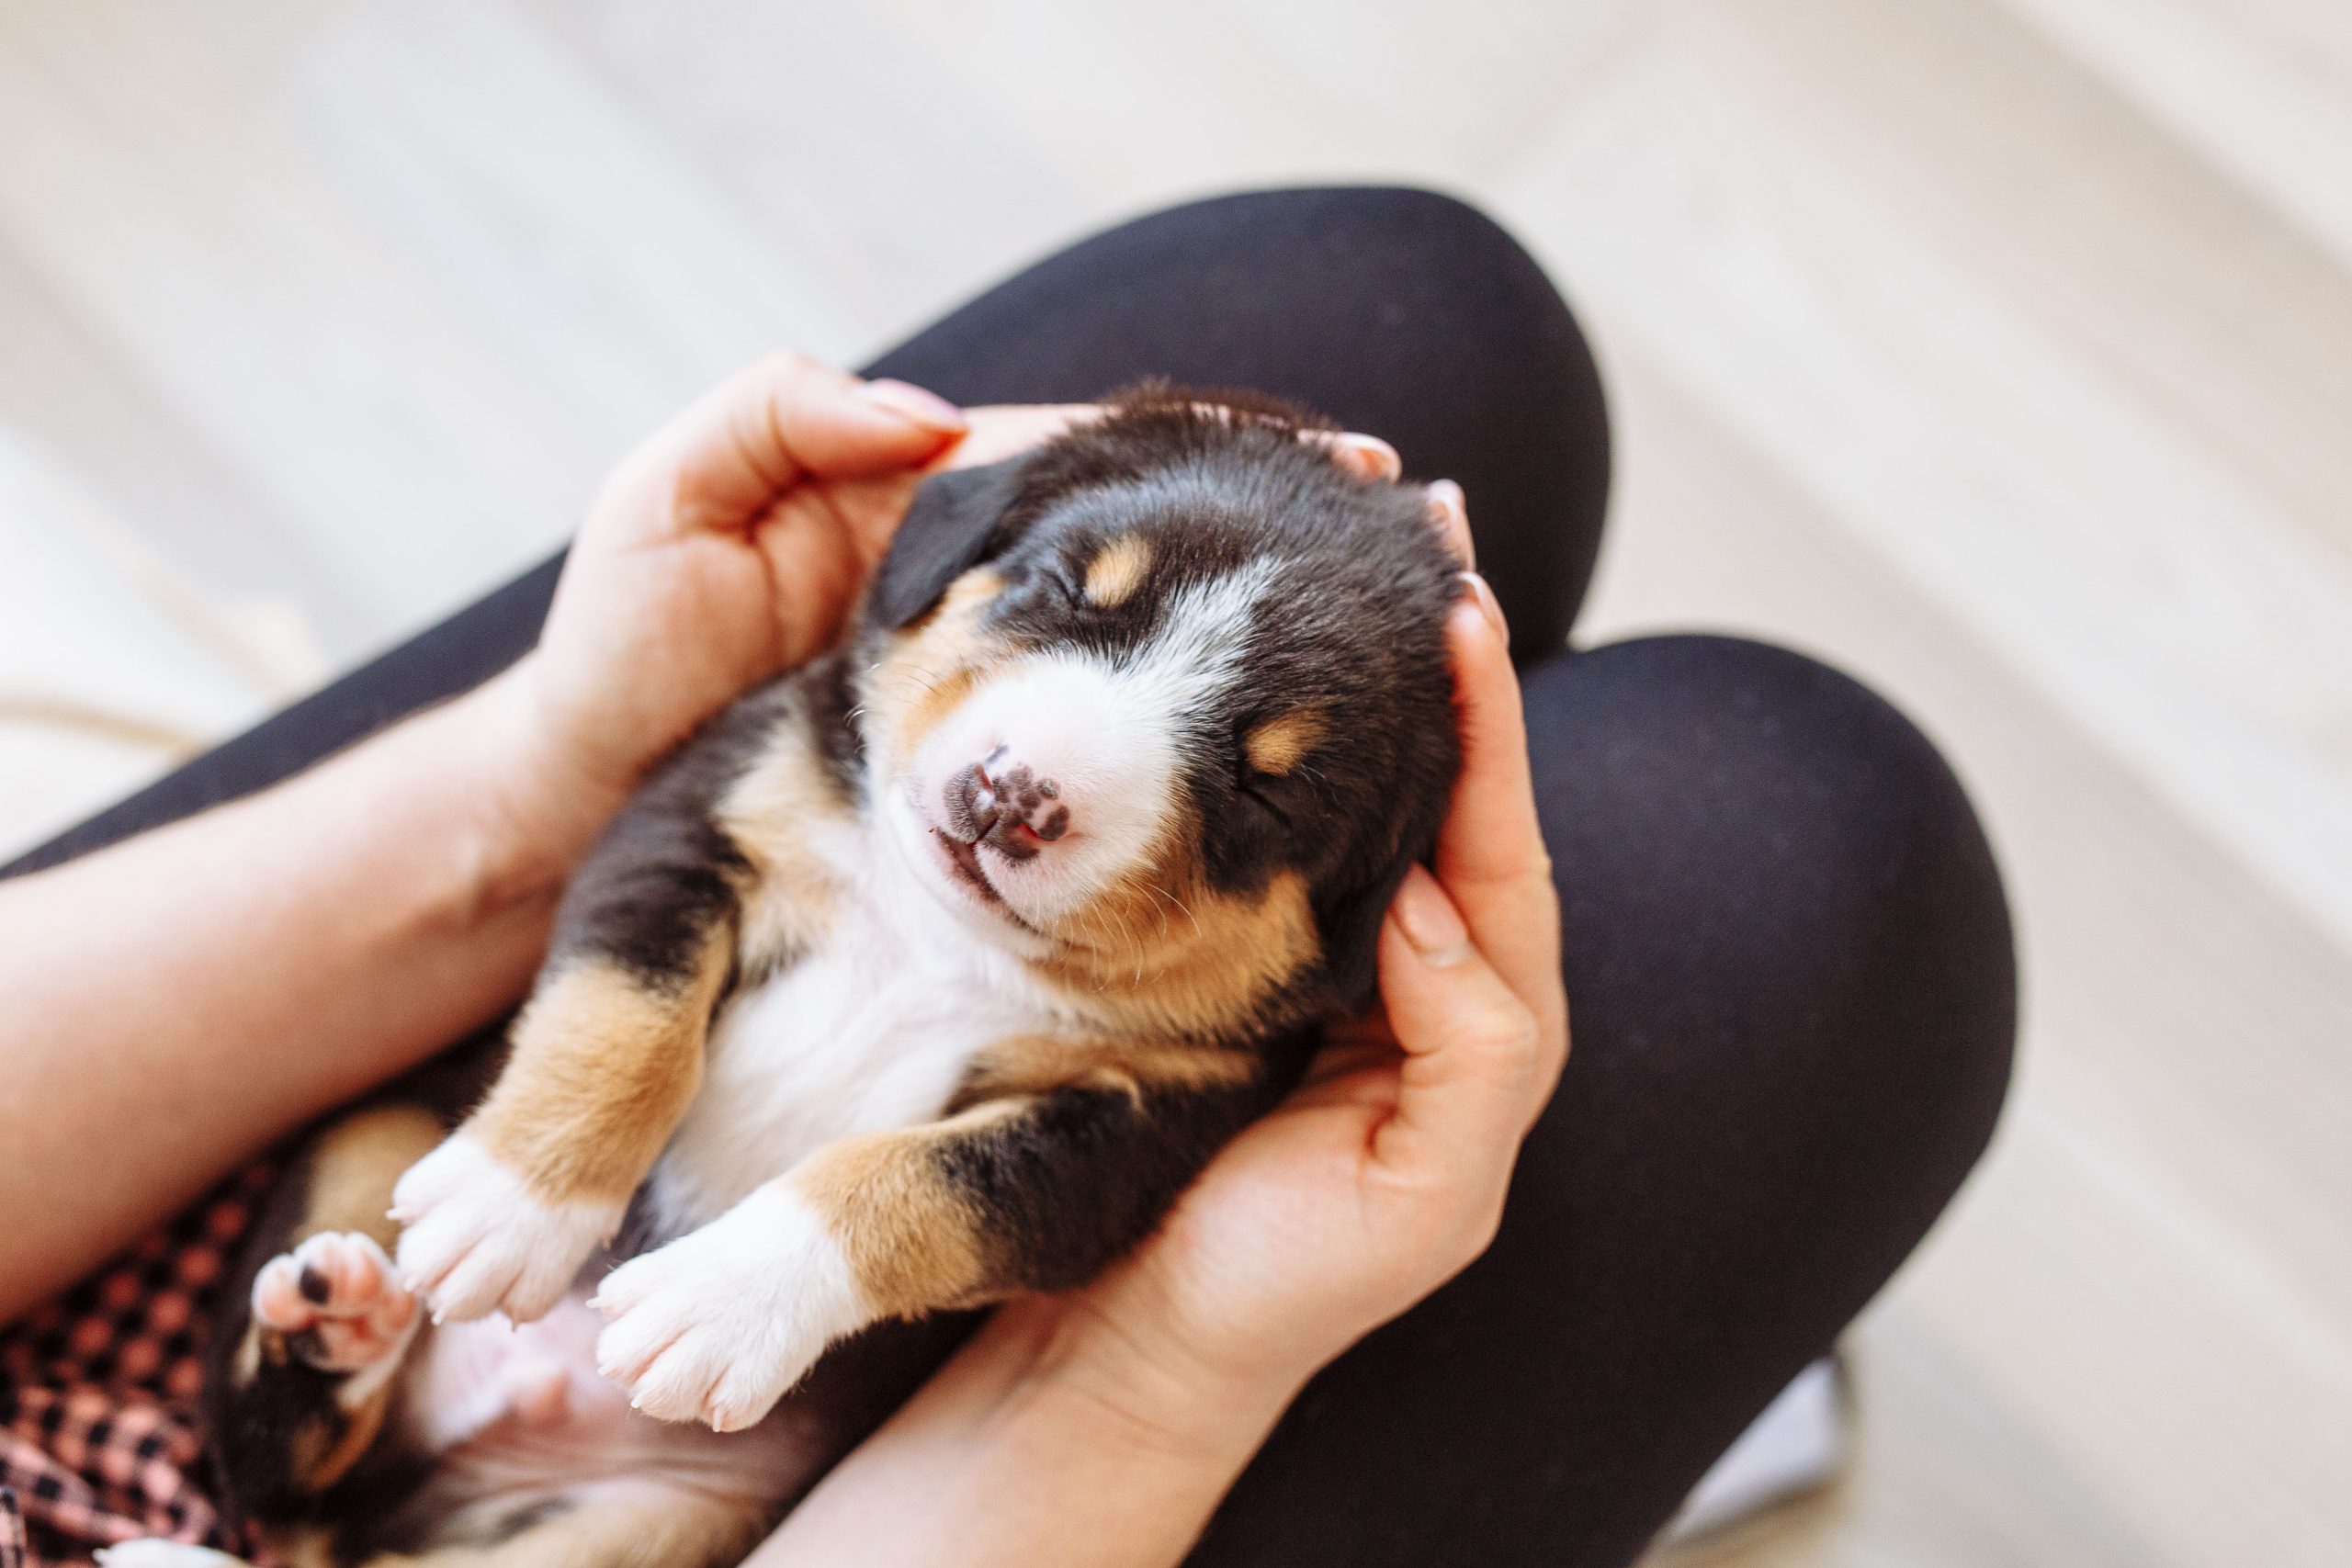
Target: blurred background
<point x="1998" y="350"/>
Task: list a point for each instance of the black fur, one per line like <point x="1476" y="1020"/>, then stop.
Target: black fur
<point x="665" y="876"/>
<point x="825" y="689"/>
<point x="1083" y="1175"/>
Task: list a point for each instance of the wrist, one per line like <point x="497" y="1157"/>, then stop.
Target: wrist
<point x="1128" y="1390"/>
<point x="1039" y="1441"/>
<point x="526" y="817"/>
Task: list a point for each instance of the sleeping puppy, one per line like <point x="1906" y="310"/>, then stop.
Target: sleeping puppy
<point x="926" y="975"/>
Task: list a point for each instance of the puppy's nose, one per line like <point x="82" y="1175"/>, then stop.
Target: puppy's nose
<point x="1003" y="804"/>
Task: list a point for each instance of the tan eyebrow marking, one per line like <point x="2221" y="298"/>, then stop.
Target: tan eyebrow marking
<point x="1277" y="745"/>
<point x="1118" y="571"/>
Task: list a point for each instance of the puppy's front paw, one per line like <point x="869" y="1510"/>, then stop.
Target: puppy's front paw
<point x="717" y="1326"/>
<point x="474" y="1240"/>
<point x="153" y="1551"/>
<point x="336" y="1296"/>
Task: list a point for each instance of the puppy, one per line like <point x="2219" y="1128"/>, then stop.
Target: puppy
<point x="923" y="975"/>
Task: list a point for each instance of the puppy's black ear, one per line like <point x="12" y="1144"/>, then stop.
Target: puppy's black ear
<point x="959" y="519"/>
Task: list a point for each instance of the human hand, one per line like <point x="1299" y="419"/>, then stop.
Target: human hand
<point x="731" y="545"/>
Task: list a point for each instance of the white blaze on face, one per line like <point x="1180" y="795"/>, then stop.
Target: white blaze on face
<point x="1112" y="732"/>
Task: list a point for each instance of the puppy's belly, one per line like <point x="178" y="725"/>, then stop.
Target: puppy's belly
<point x="521" y="1412"/>
<point x="866" y="1036"/>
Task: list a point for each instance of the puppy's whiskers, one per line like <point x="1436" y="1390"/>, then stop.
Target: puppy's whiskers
<point x="1163" y="893"/>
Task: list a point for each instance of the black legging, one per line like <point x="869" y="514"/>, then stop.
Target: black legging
<point x="1789" y="962"/>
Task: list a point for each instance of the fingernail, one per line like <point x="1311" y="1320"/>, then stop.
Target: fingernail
<point x="925" y="410"/>
<point x="1449" y="511"/>
<point x="1483" y="596"/>
<point x="1429" y="921"/>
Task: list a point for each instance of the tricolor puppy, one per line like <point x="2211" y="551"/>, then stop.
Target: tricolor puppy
<point x="924" y="975"/>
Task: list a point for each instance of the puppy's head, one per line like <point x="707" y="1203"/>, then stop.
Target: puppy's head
<point x="1164" y="708"/>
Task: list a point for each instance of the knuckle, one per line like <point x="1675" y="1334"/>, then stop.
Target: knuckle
<point x="1505" y="1031"/>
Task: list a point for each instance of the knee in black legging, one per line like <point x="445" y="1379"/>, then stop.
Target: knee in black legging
<point x="1792" y="1003"/>
<point x="1805" y="933"/>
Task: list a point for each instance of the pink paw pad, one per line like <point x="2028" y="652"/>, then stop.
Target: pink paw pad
<point x="338" y="1294"/>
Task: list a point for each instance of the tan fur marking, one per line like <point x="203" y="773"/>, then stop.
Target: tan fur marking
<point x="670" y="1526"/>
<point x="1164" y="954"/>
<point x="602" y="1068"/>
<point x="938" y="699"/>
<point x="770" y="813"/>
<point x="933" y="667"/>
<point x="1279" y="745"/>
<point x="356" y="1162"/>
<point x="302" y="1546"/>
<point x="1033" y="1063"/>
<point x="1118" y="571"/>
<point x="322" y="1458"/>
<point x="909" y="1238"/>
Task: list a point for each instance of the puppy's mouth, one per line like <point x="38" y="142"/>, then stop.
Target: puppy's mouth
<point x="964" y="865"/>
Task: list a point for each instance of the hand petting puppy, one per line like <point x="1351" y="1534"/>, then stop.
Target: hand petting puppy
<point x="726" y="546"/>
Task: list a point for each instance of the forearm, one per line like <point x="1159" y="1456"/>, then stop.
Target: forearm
<point x="1020" y="1451"/>
<point x="178" y="1001"/>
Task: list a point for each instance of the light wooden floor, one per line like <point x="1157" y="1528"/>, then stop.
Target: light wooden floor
<point x="1998" y="349"/>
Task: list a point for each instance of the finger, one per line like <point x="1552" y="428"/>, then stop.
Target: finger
<point x="722" y="463"/>
<point x="1490" y="852"/>
<point x="869" y="511"/>
<point x="1366" y="457"/>
<point x="1475" y="1072"/>
<point x="1450" y="512"/>
<point x="1002" y="430"/>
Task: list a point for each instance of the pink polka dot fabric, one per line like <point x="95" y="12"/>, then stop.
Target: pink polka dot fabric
<point x="99" y="1440"/>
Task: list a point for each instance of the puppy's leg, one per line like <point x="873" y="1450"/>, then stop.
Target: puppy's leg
<point x="604" y="1057"/>
<point x="1033" y="1191"/>
<point x="630" y="1527"/>
<point x="299" y="1392"/>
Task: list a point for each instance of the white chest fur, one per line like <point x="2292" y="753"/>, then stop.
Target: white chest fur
<point x="873" y="1031"/>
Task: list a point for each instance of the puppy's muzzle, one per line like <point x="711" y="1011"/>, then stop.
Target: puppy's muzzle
<point x="1002" y="803"/>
